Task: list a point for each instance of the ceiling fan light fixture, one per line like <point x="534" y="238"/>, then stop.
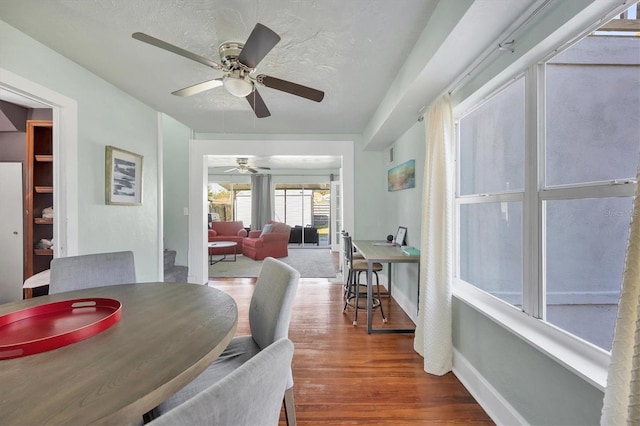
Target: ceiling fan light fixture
<point x="238" y="86"/>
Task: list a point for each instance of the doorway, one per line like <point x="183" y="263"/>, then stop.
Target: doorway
<point x="200" y="149"/>
<point x="15" y="88"/>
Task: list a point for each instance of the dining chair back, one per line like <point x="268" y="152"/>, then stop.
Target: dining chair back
<point x="91" y="270"/>
<point x="250" y="395"/>
<point x="269" y="317"/>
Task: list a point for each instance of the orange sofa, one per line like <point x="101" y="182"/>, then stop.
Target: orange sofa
<point x="227" y="231"/>
<point x="271" y="241"/>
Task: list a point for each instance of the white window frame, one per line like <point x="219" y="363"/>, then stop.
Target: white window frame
<point x="586" y="360"/>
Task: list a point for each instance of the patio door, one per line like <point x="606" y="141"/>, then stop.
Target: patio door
<point x="336" y="216"/>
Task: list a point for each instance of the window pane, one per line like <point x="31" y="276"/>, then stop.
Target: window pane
<point x="278" y="208"/>
<point x="586" y="241"/>
<point x="293" y="206"/>
<point x="593" y="110"/>
<point x="491" y="248"/>
<point x="243" y="207"/>
<point x="492" y="144"/>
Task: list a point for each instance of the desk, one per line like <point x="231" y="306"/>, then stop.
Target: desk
<point x="381" y="254"/>
<point x="167" y="335"/>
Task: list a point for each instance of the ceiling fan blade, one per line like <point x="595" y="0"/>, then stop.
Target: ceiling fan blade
<point x="252" y="170"/>
<point x="230" y="170"/>
<point x="198" y="88"/>
<point x="289" y="87"/>
<point x="260" y="42"/>
<point x="177" y="50"/>
<point x="257" y="104"/>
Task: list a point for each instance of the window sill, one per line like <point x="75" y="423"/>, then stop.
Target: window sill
<point x="588" y="361"/>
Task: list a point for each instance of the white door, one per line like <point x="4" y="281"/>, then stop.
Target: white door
<point x="11" y="236"/>
<point x="336" y="216"/>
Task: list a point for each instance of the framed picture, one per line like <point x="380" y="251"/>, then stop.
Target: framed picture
<point x="123" y="177"/>
<point x="402" y="176"/>
<point x="400" y="235"/>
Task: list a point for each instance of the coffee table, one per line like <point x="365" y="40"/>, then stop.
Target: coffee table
<point x="225" y="245"/>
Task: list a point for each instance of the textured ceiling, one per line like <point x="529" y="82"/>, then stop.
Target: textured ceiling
<point x="379" y="62"/>
<point x="349" y="49"/>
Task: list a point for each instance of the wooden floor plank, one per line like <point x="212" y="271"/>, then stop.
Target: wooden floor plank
<point x="344" y="376"/>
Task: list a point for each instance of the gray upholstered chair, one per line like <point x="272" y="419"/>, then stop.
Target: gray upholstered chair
<point x="91" y="270"/>
<point x="250" y="395"/>
<point x="269" y="316"/>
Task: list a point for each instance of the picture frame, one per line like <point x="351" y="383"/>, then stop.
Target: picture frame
<point x="402" y="176"/>
<point x="123" y="177"/>
<point x="400" y="236"/>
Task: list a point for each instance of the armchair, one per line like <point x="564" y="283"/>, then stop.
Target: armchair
<point x="271" y="241"/>
<point x="226" y="231"/>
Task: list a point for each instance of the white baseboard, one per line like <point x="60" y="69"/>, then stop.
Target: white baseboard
<point x="407" y="304"/>
<point x="500" y="411"/>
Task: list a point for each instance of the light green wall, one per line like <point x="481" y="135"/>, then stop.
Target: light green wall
<point x="106" y="116"/>
<point x="175" y="181"/>
<point x="541" y="390"/>
<point x="406" y="206"/>
<point x="371" y="215"/>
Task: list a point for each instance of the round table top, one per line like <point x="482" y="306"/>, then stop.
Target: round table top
<point x="167" y="335"/>
<point x="222" y="244"/>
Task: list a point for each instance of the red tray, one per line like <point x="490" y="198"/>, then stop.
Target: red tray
<point x="53" y="325"/>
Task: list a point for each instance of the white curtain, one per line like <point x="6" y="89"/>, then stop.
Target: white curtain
<point x="261" y="206"/>
<point x="433" y="331"/>
<point x="622" y="395"/>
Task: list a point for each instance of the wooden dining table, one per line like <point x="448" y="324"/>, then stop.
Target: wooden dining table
<point x="168" y="333"/>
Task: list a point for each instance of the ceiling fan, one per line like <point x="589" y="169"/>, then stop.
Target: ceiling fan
<point x="244" y="167"/>
<point x="239" y="61"/>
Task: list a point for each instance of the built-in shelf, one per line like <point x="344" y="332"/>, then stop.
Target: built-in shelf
<point x="38" y="196"/>
<point x="44" y="189"/>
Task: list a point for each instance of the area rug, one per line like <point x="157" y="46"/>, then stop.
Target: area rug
<point x="311" y="263"/>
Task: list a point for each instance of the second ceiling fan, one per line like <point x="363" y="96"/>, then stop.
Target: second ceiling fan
<point x="239" y="61"/>
<point x="244" y="167"/>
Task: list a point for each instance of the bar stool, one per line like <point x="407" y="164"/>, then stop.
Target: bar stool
<point x="352" y="285"/>
<point x="345" y="259"/>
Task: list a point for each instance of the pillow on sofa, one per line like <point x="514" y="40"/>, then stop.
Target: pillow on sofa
<point x="267" y="229"/>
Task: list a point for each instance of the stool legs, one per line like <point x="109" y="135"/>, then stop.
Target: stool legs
<point x="353" y="292"/>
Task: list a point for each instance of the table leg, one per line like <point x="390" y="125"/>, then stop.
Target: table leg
<point x="370" y="296"/>
<point x="370" y="328"/>
<point x="389" y="273"/>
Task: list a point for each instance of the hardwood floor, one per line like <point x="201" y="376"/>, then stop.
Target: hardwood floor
<point x="342" y="375"/>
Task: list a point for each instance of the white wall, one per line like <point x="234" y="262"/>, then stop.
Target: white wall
<point x="105" y="116"/>
<point x="175" y="189"/>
